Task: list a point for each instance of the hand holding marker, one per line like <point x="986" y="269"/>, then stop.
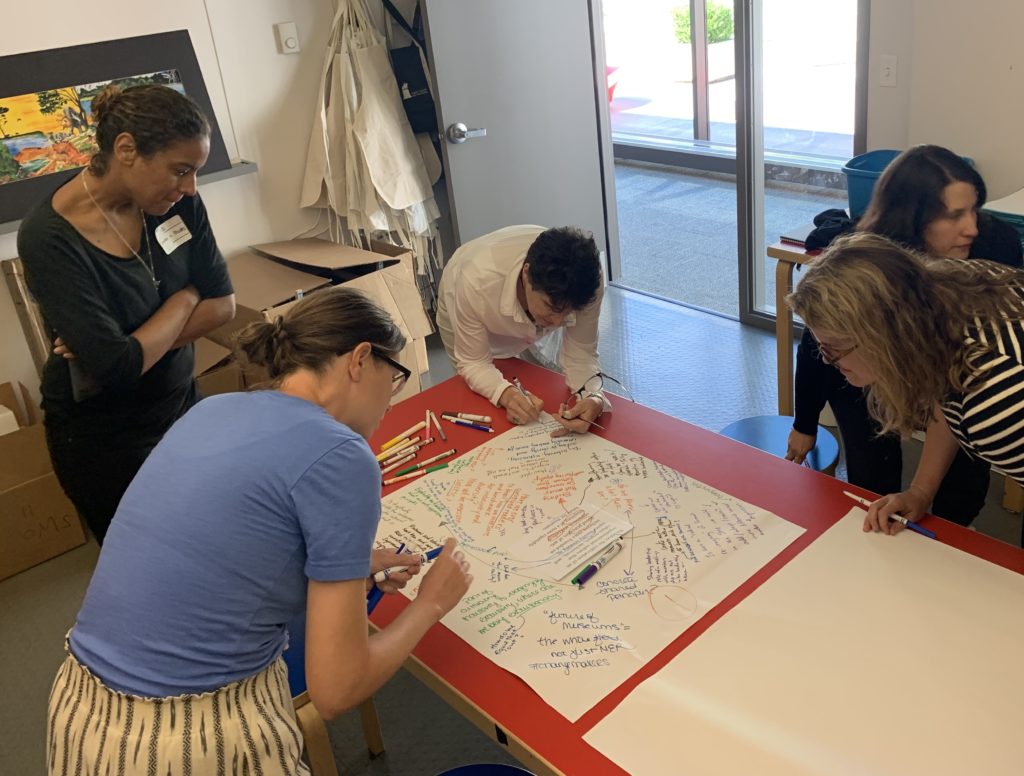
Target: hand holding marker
<point x="375" y="594"/>
<point x="426" y="557"/>
<point x="898" y="518"/>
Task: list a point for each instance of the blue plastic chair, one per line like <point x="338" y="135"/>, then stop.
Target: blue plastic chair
<point x="771" y="433"/>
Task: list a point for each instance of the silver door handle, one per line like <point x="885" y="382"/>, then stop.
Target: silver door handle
<point x="460" y="133"/>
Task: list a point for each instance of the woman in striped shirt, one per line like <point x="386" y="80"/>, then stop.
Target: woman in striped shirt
<point x="937" y="341"/>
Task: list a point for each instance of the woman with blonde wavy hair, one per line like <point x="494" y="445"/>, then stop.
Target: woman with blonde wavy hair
<point x="937" y="343"/>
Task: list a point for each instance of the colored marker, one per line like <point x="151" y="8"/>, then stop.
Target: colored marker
<point x="426" y="557"/>
<point x="426" y="463"/>
<point x="592" y="568"/>
<point x="467" y="424"/>
<point x="596" y="566"/>
<point x="408" y="432"/>
<point x="437" y="423"/>
<point x="402" y="452"/>
<point x="392" y="451"/>
<point x="375" y="594"/>
<point x="469" y="416"/>
<point x="898" y="518"/>
<point x="519" y="385"/>
<point x="399" y="462"/>
<point x="409" y="476"/>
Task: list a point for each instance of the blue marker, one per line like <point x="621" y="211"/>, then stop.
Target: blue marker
<point x="375" y="594"/>
<point x="426" y="557"/>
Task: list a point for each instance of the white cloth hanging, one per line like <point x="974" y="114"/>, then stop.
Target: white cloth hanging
<point x="364" y="165"/>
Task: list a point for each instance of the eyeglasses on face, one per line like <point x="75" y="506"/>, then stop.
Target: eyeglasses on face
<point x="398" y="380"/>
<point x="831" y="356"/>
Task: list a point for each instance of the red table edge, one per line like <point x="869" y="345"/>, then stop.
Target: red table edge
<point x="506" y="699"/>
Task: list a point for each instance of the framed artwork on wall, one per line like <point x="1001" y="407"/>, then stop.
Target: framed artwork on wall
<point x="46" y="132"/>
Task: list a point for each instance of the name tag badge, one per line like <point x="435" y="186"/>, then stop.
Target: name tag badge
<point x="172" y="234"/>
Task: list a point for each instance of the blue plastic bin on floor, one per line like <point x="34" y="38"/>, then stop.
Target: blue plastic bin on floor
<point x="861" y="173"/>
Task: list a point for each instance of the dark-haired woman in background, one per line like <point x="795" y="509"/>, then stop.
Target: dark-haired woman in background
<point x="927" y="199"/>
<point x="126" y="271"/>
<point x="253" y="508"/>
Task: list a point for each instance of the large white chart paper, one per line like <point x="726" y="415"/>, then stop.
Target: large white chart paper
<point x="865" y="654"/>
<point x="523" y="503"/>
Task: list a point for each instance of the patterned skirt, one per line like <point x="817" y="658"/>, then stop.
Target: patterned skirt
<point x="247" y="727"/>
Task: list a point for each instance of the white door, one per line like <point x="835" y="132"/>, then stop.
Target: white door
<point x="526" y="72"/>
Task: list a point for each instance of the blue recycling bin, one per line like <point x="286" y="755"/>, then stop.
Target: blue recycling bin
<point x="861" y="173"/>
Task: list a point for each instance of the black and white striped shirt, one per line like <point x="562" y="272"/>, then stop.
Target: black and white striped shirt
<point x="988" y="417"/>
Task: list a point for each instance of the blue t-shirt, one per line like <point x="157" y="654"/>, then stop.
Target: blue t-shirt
<point x="207" y="559"/>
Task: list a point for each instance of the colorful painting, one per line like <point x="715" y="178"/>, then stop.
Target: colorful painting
<point x="52" y="130"/>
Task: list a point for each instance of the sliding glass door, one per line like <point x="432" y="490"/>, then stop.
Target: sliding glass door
<point x="729" y="124"/>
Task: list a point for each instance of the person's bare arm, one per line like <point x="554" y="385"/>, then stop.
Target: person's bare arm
<point x="207" y="316"/>
<point x="344" y="665"/>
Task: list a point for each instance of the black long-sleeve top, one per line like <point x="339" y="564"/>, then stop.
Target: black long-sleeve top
<point x="94" y="300"/>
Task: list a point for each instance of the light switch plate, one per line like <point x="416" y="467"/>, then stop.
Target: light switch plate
<point x="287" y="38"/>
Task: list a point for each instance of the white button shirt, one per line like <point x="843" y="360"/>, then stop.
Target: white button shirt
<point x="480" y="318"/>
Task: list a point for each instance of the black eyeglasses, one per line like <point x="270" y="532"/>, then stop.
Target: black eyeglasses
<point x="399" y="380"/>
<point x="595" y="385"/>
<point x="833" y="357"/>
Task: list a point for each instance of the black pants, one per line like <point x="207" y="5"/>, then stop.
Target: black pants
<point x="94" y="474"/>
<point x="876" y="463"/>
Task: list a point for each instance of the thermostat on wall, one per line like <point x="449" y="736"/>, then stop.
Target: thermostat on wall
<point x="287" y="38"/>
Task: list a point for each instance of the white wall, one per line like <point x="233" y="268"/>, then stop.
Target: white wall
<point x="961" y="82"/>
<point x="266" y="97"/>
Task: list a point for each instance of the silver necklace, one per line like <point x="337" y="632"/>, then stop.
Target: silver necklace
<point x="150" y="267"/>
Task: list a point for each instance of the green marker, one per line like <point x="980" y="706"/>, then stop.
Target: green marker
<point x="435" y="468"/>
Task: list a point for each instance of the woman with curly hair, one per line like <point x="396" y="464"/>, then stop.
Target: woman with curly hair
<point x="928" y="199"/>
<point x="937" y="343"/>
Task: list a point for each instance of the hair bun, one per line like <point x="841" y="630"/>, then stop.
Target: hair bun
<point x="104" y="101"/>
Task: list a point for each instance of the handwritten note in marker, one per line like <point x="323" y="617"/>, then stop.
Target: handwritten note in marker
<point x="570" y="540"/>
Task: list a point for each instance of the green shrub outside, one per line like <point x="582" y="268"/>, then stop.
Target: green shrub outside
<point x="720" y="26"/>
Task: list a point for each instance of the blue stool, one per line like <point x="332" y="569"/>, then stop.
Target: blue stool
<point x="771" y="432"/>
<point x="486" y="769"/>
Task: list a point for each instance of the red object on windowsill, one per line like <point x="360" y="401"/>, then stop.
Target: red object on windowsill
<point x="612" y="82"/>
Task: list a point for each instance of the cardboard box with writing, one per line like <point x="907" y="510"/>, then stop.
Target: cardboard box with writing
<point x="37" y="521"/>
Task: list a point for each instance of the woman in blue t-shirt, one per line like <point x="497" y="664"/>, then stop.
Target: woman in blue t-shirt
<point x="252" y="508"/>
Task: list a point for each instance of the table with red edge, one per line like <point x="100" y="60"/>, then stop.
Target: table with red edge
<point x="503" y="705"/>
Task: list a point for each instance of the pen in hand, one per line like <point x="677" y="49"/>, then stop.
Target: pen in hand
<point x="898" y="518"/>
<point x="375" y="594"/>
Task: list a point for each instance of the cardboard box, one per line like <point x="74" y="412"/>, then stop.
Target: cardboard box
<point x="331" y="260"/>
<point x="214" y="370"/>
<point x="37" y="521"/>
<point x="260" y="285"/>
<point x="389" y="279"/>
